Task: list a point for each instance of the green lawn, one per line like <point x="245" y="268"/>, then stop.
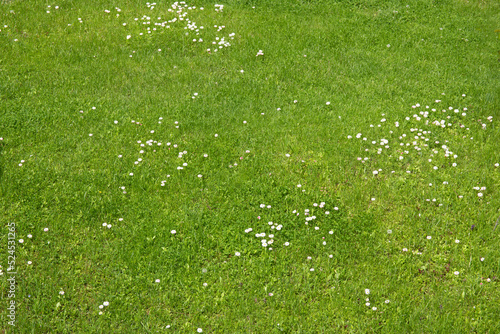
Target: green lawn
<point x="262" y="167"/>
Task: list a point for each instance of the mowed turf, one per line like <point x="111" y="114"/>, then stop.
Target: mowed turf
<point x="250" y="167"/>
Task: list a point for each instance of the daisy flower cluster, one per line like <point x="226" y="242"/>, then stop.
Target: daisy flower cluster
<point x="425" y="136"/>
<point x="311" y="217"/>
<point x="155" y="145"/>
<point x="102" y="306"/>
<point x="479" y="190"/>
<point x="424" y="142"/>
<point x="177" y="16"/>
<point x="277" y="227"/>
<point x="49" y="7"/>
<point x="272" y="226"/>
<point x="367" y="301"/>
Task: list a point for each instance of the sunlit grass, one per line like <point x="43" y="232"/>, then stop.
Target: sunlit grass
<point x="158" y="185"/>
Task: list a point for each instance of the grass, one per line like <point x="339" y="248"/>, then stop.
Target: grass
<point x="351" y="66"/>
